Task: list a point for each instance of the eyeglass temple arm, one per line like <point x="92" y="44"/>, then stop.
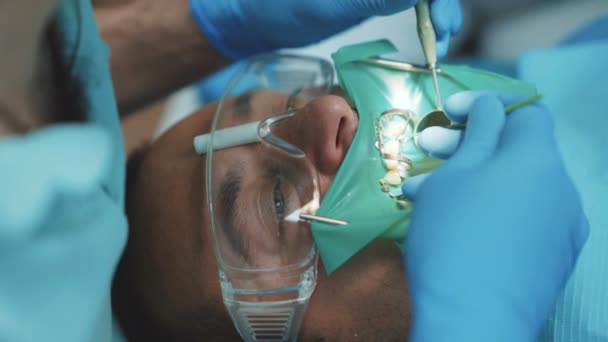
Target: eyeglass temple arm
<point x="228" y="137"/>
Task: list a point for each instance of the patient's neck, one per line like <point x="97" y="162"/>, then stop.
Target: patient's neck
<point x="25" y="82"/>
<point x="24" y="104"/>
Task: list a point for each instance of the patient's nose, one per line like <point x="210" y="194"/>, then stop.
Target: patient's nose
<point x="324" y="130"/>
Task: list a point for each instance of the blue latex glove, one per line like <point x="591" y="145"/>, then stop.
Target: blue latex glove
<point x="240" y="28"/>
<point x="496" y="230"/>
<point x="61" y="234"/>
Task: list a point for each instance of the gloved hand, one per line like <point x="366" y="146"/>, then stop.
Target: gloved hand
<point x="496" y="230"/>
<point x="240" y="28"/>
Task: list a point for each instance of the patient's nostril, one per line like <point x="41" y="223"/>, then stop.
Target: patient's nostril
<point x="323" y="129"/>
<point x="340" y="132"/>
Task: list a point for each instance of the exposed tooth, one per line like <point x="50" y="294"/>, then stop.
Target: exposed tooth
<point x="395" y="129"/>
<point x="391" y="147"/>
<point x="391" y="165"/>
<point x="403" y="204"/>
<point x="392" y="178"/>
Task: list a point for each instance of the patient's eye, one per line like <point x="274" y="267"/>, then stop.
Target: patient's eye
<point x="282" y="199"/>
<point x="278" y="200"/>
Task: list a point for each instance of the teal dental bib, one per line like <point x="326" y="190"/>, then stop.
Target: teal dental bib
<point x="390" y="99"/>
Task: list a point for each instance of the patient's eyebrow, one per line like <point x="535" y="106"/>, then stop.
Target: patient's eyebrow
<point x="229" y="190"/>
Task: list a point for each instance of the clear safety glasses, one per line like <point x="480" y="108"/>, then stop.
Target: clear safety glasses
<point x="261" y="186"/>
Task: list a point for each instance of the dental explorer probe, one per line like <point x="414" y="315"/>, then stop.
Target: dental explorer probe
<point x="298" y="215"/>
<point x="428" y="40"/>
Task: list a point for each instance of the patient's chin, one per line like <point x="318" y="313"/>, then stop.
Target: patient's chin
<point x="366" y="299"/>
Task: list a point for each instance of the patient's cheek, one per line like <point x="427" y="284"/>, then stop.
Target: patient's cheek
<point x="366" y="299"/>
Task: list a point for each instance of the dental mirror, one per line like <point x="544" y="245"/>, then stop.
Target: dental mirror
<point x="435" y="118"/>
<point x="439" y="118"/>
<point x="428" y="41"/>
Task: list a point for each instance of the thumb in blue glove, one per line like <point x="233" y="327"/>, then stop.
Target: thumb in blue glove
<point x="496" y="230"/>
<point x="241" y="28"/>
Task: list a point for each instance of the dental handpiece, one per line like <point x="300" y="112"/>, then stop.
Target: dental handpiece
<point x="428" y="40"/>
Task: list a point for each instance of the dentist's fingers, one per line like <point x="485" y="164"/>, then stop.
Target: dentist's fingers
<point x="459" y="105"/>
<point x="439" y="142"/>
<point x="411" y="185"/>
<point x="482" y="135"/>
<point x="530" y="128"/>
<point x="442" y="142"/>
<point x="447" y="21"/>
<point x="443" y="44"/>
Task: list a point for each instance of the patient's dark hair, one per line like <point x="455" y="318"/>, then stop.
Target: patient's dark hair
<point x="133" y="314"/>
<point x="134" y="162"/>
<point x="130" y="312"/>
<point x="139" y="319"/>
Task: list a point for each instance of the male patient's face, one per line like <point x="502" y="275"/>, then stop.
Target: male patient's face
<point x="169" y="266"/>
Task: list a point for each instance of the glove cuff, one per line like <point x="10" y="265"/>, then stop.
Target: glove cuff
<point x="461" y="314"/>
<point x="438" y="318"/>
